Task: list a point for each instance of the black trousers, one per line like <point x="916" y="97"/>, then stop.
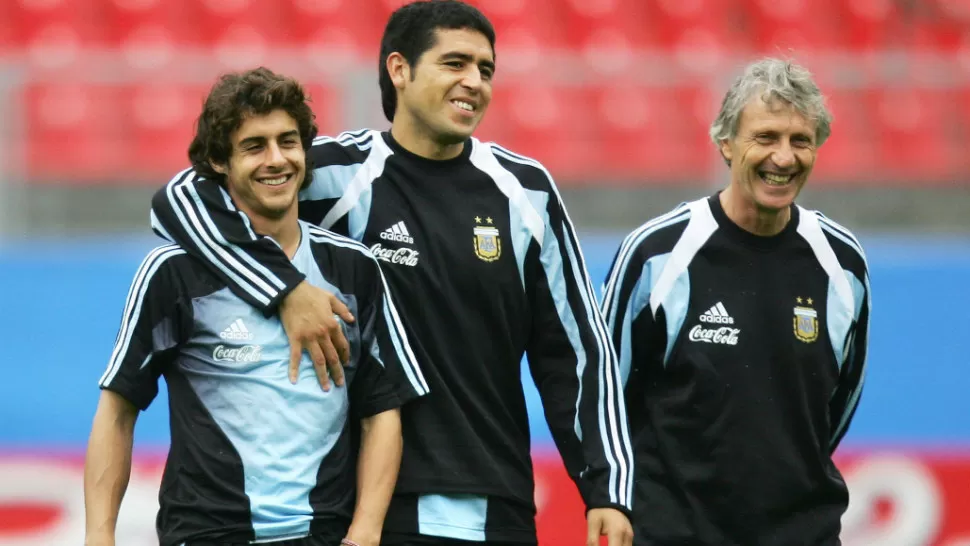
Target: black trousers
<point x="316" y="539"/>
<point x="393" y="539"/>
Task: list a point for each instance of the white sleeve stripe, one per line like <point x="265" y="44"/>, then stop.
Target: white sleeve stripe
<point x="369" y="171"/>
<point x="626" y="251"/>
<point x="405" y="354"/>
<point x="231" y="206"/>
<point x="361" y="139"/>
<point x="620" y="457"/>
<point x="844" y="236"/>
<point x="133" y="306"/>
<point x="194" y="229"/>
<point x="621" y="481"/>
<point x="838" y="227"/>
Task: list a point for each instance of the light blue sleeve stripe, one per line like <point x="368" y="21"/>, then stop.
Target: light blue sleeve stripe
<point x="626" y="334"/>
<point x="675" y="310"/>
<point x="331" y="182"/>
<point x="639" y="300"/>
<point x="551" y="259"/>
<point x="839" y="321"/>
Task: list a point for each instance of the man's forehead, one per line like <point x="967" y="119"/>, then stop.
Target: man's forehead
<point x="465" y="41"/>
<point x="272" y="123"/>
<point x="761" y="109"/>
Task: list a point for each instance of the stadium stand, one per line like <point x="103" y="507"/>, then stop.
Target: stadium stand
<point x="597" y="89"/>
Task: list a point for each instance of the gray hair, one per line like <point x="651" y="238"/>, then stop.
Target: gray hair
<point x="774" y="79"/>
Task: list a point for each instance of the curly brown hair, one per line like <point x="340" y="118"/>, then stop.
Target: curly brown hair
<point x="235" y="97"/>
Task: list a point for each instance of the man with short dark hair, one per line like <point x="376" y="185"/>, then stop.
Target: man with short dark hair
<point x="476" y="244"/>
<point x="254" y="457"/>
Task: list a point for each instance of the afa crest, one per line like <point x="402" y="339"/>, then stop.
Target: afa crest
<point x="488" y="245"/>
<point x="805" y="322"/>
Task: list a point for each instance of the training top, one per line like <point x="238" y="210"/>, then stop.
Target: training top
<point x="254" y="457"/>
<point x="743" y="360"/>
<point x="485" y="267"/>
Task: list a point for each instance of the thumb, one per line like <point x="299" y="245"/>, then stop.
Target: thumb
<point x="296" y="354"/>
<point x="340" y="309"/>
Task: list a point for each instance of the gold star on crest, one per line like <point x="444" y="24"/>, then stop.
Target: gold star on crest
<point x="478" y="219"/>
<point x="809" y="301"/>
<point x="489" y="219"/>
<point x="798" y="300"/>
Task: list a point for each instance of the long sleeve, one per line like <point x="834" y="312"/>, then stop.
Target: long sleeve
<point x="199" y="215"/>
<point x="574" y="367"/>
<point x="844" y="402"/>
<point x="626" y="309"/>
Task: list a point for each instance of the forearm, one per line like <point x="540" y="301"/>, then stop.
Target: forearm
<point x="107" y="469"/>
<point x="377" y="469"/>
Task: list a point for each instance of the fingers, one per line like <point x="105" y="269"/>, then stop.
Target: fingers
<point x="296" y="354"/>
<point x="319" y="364"/>
<point x="340" y="309"/>
<point x="336" y="373"/>
<point x="619" y="537"/>
<point x="340" y="344"/>
<point x="593" y="525"/>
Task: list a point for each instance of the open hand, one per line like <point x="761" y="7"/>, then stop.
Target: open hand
<point x="309" y="316"/>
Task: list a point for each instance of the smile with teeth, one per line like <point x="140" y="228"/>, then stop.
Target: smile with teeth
<point x="773" y="179"/>
<point x="278" y="181"/>
<point x="463" y="105"/>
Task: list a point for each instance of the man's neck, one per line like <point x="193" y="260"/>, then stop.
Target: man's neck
<point x="284" y="230"/>
<point x="749" y="217"/>
<point x="421" y="143"/>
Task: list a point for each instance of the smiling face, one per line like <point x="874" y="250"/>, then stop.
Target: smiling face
<point x="267" y="165"/>
<point x="772" y="155"/>
<point x="445" y="93"/>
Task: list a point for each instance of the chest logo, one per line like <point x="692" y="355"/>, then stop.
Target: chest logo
<point x="488" y="244"/>
<point x="717" y="316"/>
<point x="805" y="321"/>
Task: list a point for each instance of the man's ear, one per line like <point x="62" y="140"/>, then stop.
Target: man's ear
<point x="398" y="69"/>
<point x="726" y="151"/>
<point x="219" y="167"/>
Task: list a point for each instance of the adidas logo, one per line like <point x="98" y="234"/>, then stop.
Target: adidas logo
<point x="398" y="232"/>
<point x="717" y="315"/>
<point x="236" y="331"/>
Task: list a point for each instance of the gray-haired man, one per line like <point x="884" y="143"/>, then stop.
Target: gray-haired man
<point x="741" y="323"/>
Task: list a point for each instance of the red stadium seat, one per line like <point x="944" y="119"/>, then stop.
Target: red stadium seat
<point x="916" y="138"/>
<point x="528" y="31"/>
<point x="551" y="124"/>
<point x="151" y="34"/>
<point x="656" y="132"/>
<point x="871" y="24"/>
<point x="162" y="123"/>
<point x="850" y="153"/>
<point x="334" y="27"/>
<point x="328" y="104"/>
<point x="795" y="27"/>
<point x="242" y="32"/>
<point x="74" y="133"/>
<point x="609" y="34"/>
<point x="54" y="32"/>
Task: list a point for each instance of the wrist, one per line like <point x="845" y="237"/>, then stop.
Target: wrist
<point x="100" y="538"/>
<point x="363" y="535"/>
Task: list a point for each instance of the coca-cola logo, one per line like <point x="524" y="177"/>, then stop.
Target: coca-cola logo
<point x="246" y="353"/>
<point x="724" y="335"/>
<point x="403" y="256"/>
